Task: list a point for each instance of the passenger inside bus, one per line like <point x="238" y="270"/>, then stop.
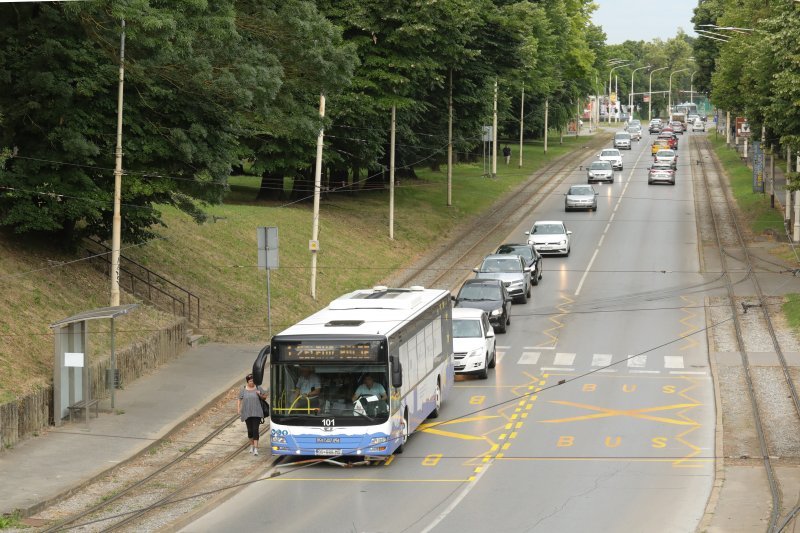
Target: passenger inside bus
<point x="307" y="388"/>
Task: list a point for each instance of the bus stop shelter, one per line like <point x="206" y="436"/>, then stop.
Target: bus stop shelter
<point x="71" y="383"/>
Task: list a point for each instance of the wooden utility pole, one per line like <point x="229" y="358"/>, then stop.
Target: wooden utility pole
<point x="314" y="245"/>
<point x="116" y="221"/>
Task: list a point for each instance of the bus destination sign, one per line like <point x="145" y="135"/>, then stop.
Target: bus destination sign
<point x="328" y="351"/>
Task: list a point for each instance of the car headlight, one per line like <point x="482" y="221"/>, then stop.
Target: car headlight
<point x="518" y="282"/>
<point x="377" y="440"/>
<point x="279" y="440"/>
<point x="562" y="242"/>
<point x="497" y="312"/>
<point x="475" y="353"/>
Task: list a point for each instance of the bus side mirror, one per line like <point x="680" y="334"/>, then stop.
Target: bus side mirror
<point x="397" y="372"/>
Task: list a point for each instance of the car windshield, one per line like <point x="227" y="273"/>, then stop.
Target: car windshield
<point x="480" y="291"/>
<point x="623" y="136"/>
<point x="662" y="166"/>
<point x="601" y="165"/>
<point x="665" y="153"/>
<point x="464" y="328"/>
<point x="581" y="190"/>
<point x="548" y="229"/>
<point x="497" y="264"/>
<point x="521" y="250"/>
<point x="609" y="153"/>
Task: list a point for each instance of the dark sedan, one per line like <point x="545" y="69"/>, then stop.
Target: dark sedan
<point x="489" y="295"/>
<point x="532" y="258"/>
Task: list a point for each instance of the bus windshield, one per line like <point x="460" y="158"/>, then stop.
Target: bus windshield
<point x="305" y="392"/>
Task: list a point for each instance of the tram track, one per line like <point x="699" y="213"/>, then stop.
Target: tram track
<point x="735" y="257"/>
<point x="130" y="505"/>
<point x="446" y="266"/>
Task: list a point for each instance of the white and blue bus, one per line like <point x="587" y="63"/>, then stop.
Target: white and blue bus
<point x="359" y="376"/>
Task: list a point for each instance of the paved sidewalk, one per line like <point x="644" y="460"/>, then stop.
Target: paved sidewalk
<point x="41" y="469"/>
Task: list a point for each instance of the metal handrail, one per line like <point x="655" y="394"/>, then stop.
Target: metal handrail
<point x="187" y="305"/>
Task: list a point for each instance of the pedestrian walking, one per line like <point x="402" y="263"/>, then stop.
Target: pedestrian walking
<point x="250" y="410"/>
<point x="507" y="154"/>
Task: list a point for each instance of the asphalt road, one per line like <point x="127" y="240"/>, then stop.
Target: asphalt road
<point x="625" y="443"/>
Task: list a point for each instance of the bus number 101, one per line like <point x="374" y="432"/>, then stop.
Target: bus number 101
<point x="328" y="422"/>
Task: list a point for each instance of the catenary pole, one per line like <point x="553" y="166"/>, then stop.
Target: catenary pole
<point x="116" y="221"/>
<point x="521" y="122"/>
<point x="450" y="143"/>
<point x="787" y="215"/>
<point x="317" y="187"/>
<point x="391" y="172"/>
<point x="546" y="127"/>
<point x="727" y="128"/>
<point x="494" y="132"/>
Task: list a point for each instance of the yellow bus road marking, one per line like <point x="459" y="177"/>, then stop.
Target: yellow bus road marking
<point x="605" y="412"/>
<point x="453" y="434"/>
<point x="614" y="459"/>
<point x="423" y="427"/>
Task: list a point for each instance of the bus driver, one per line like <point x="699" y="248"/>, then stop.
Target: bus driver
<point x="369" y="388"/>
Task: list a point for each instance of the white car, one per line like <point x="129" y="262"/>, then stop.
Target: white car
<point x="613" y="156"/>
<point x="666" y="156"/>
<point x="474" y="349"/>
<point x="698" y="125"/>
<point x="622" y="140"/>
<point x="550" y="237"/>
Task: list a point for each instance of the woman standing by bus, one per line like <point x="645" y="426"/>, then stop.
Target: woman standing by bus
<point x="250" y="410"/>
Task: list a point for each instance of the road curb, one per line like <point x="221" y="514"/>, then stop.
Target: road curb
<point x="38" y="507"/>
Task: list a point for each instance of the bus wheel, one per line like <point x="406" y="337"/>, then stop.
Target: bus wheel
<point x="404" y="438"/>
<point x="437" y="395"/>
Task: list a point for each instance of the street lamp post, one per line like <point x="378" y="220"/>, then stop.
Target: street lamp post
<point x="609" y="85"/>
<point x="669" y="104"/>
<point x="630" y="96"/>
<point x="691" y="87"/>
<point x="650" y="94"/>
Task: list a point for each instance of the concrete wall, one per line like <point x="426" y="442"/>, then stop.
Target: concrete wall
<point x="27" y="415"/>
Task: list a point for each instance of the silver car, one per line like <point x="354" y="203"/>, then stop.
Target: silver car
<point x="580" y="197"/>
<point x="511" y="270"/>
<point x="636" y="132"/>
<point x="661" y="173"/>
<point x="550" y="237"/>
<point x="622" y="140"/>
<point x="600" y="171"/>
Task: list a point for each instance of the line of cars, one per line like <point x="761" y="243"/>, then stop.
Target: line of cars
<point x="483" y="304"/>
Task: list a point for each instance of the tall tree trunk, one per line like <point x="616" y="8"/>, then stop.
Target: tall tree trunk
<point x="271" y="185"/>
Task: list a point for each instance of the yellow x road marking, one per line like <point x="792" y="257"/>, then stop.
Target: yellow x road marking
<point x="634" y="413"/>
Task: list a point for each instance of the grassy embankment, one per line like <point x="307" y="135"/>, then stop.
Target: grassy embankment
<point x="217" y="261"/>
<point x="759" y="216"/>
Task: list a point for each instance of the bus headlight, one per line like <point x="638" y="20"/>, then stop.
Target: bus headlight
<point x="279" y="440"/>
<point x="377" y="440"/>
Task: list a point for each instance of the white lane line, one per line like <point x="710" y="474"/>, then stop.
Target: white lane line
<point x="673" y="361"/>
<point x="564" y="359"/>
<point x="607" y="370"/>
<point x="645" y="372"/>
<point x="458" y="499"/>
<point x="542" y="347"/>
<point x="688" y="372"/>
<point x="499" y="354"/>
<point x="530" y="348"/>
<point x="611" y="218"/>
<point x="601" y="359"/>
<point x="557" y="369"/>
<point x="529" y="358"/>
<point x="600" y="242"/>
<point x="638" y="361"/>
<point x="502" y="347"/>
<point x="586" y="272"/>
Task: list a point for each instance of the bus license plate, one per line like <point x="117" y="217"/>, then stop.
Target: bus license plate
<point x="328" y="451"/>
